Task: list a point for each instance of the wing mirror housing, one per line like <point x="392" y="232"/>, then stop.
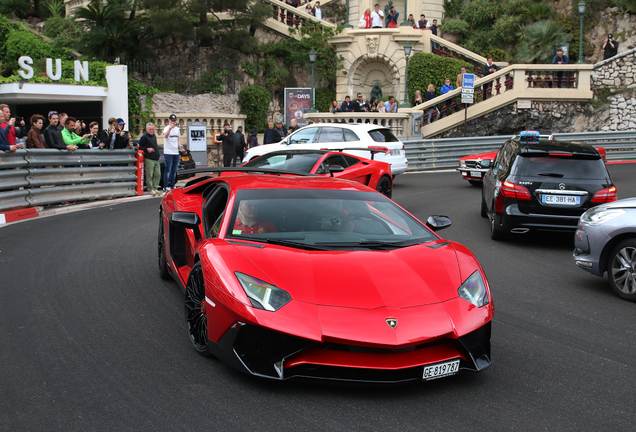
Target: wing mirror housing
<point x="188" y="220"/>
<point x="438" y="222"/>
<point x="335" y="169"/>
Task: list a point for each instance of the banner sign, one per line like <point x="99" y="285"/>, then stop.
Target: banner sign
<point x="297" y="101"/>
<point x="197" y="136"/>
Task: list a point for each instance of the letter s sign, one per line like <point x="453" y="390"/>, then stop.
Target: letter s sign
<point x="24" y="63"/>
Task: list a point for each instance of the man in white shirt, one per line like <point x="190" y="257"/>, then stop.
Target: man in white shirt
<point x="317" y="11"/>
<point x="377" y="17"/>
<point x="171" y="148"/>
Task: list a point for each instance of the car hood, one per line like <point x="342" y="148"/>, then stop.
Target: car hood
<point x="401" y="278"/>
<point x="481" y="156"/>
<point x="624" y="203"/>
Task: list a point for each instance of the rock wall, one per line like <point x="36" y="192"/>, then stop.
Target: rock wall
<point x="545" y="117"/>
<point x="616" y="72"/>
<point x="202" y="103"/>
<point x="622" y="113"/>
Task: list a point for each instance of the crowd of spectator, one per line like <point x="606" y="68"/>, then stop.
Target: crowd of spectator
<point x="62" y="132"/>
<point x="388" y="18"/>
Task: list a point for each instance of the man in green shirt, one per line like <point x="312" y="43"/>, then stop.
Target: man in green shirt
<point x="70" y="137"/>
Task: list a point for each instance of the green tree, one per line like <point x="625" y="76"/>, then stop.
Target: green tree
<point x="18" y="7"/>
<point x="425" y="69"/>
<point x="540" y="40"/>
<point x="254" y="102"/>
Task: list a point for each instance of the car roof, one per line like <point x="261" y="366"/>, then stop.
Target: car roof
<point x="272" y="181"/>
<point x="357" y="126"/>
<point x="548" y="146"/>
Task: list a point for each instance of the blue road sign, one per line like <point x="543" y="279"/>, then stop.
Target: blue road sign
<point x="468" y="80"/>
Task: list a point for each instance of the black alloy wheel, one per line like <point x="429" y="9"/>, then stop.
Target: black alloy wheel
<point x="385" y="186"/>
<point x="161" y="250"/>
<point x="621" y="269"/>
<point x="196" y="319"/>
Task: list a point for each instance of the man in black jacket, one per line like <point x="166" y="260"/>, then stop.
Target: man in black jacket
<point x="488" y="69"/>
<point x="53" y="135"/>
<point x="148" y="143"/>
<point x="239" y="146"/>
<point x="227" y="138"/>
<point x="271" y="135"/>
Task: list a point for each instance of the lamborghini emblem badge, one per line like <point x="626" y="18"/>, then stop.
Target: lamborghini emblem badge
<point x="392" y="322"/>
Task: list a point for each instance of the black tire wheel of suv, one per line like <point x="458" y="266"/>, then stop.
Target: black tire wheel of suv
<point x="161" y="252"/>
<point x="484" y="210"/>
<point x="196" y="319"/>
<point x="621" y="269"/>
<point x="495" y="232"/>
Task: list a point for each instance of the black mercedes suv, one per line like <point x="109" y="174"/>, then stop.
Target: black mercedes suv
<point x="543" y="185"/>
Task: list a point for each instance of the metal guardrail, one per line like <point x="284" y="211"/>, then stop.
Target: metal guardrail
<point x="47" y="176"/>
<point x="433" y="154"/>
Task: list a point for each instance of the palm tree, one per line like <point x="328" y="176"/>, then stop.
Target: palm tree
<point x="540" y="41"/>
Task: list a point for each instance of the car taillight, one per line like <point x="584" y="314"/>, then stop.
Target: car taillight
<point x="511" y="190"/>
<point x="381" y="148"/>
<point x="605" y="195"/>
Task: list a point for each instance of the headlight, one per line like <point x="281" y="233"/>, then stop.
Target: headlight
<point x="462" y="164"/>
<point x="598" y="217"/>
<point x="263" y="295"/>
<point x="473" y="290"/>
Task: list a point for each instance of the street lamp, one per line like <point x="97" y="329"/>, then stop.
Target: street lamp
<point x="346" y="24"/>
<point x="407" y="52"/>
<point x="406" y="15"/>
<point x="312" y="58"/>
<point x="581" y="12"/>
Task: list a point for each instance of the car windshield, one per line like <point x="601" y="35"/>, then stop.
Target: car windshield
<point x="324" y="220"/>
<point x="567" y="167"/>
<point x="382" y="135"/>
<point x="302" y="162"/>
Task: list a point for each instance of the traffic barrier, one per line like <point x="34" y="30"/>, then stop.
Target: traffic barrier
<point x="36" y="177"/>
<point x="434" y="154"/>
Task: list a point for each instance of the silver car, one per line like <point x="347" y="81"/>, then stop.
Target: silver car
<point x="605" y="241"/>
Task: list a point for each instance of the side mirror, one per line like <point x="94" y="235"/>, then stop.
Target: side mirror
<point x="188" y="220"/>
<point x="335" y="169"/>
<point x="437" y="222"/>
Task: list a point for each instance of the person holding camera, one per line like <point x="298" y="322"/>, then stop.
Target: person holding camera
<point x="6" y="117"/>
<point x="391" y="19"/>
<point x="610" y="47"/>
<point x="4" y="143"/>
<point x="171" y="147"/>
<point x="227" y="138"/>
<point x="125" y="136"/>
<point x="70" y="137"/>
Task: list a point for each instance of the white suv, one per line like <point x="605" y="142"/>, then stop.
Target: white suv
<point x="347" y="136"/>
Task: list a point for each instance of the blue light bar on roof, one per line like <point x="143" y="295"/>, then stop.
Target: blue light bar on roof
<point x="529" y="137"/>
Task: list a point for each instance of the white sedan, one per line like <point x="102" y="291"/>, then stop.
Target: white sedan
<point x="334" y="136"/>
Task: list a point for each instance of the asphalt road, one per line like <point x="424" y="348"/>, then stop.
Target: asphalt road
<point x="92" y="339"/>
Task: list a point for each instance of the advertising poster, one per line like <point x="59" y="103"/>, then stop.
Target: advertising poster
<point x="297" y="102"/>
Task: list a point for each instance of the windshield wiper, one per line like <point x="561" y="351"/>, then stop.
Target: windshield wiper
<point x="280" y="242"/>
<point x="373" y="243"/>
<point x="551" y="174"/>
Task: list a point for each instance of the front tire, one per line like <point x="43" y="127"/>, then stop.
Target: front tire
<point x="196" y="319"/>
<point x="161" y="251"/>
<point x="385" y="186"/>
<point x="621" y="270"/>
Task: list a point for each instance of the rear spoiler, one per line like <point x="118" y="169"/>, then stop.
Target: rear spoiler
<point x="219" y="170"/>
<point x="373" y="150"/>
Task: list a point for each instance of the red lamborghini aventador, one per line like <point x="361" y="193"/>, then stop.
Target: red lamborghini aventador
<point x="309" y="277"/>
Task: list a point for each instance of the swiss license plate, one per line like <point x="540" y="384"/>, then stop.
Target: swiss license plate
<point x="185" y="158"/>
<point x="441" y="370"/>
<point x="561" y="199"/>
<point x="475" y="174"/>
<point x="395" y="152"/>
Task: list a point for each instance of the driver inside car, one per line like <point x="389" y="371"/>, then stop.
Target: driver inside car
<point x="248" y="222"/>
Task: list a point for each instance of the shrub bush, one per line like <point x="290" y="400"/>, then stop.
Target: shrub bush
<point x="20" y="42"/>
<point x="480" y="12"/>
<point x="455" y="26"/>
<point x="254" y="102"/>
<point x="425" y="69"/>
<point x="324" y="96"/>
